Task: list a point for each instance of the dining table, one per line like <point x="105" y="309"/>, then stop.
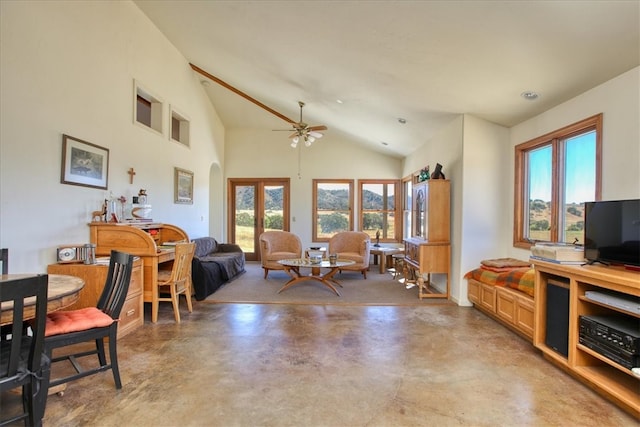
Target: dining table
<point x="63" y="290"/>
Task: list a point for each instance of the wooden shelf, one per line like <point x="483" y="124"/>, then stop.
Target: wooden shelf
<point x="601" y="373"/>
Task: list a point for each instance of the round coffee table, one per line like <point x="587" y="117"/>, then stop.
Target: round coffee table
<point x="293" y="266"/>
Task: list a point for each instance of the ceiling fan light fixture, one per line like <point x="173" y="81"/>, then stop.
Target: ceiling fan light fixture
<point x="530" y="95"/>
<point x="302" y="131"/>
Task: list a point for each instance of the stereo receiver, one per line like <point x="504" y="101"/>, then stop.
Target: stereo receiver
<point x="615" y="337"/>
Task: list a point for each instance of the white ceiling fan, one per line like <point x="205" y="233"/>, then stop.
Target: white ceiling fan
<point x="303" y="132"/>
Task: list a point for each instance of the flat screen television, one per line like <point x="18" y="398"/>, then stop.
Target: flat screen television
<point x="612" y="232"/>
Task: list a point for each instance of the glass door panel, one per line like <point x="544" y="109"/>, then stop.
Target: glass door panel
<point x="244" y="230"/>
<point x="256" y="205"/>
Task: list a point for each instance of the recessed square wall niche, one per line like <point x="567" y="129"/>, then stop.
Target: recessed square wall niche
<point x="147" y="108"/>
<point x="178" y="127"/>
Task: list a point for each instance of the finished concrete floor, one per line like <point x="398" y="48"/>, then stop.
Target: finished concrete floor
<point x="304" y="365"/>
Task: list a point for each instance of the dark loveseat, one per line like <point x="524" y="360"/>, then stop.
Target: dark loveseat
<point x="214" y="264"/>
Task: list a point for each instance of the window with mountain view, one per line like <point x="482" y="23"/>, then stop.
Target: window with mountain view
<point x="332" y="208"/>
<point x="555" y="175"/>
<point x="379" y="211"/>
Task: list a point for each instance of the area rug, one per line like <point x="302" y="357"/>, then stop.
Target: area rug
<point x="377" y="289"/>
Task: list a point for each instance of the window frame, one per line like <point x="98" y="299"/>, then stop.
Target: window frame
<point x="179" y="127"/>
<point x="407" y="207"/>
<point x="397" y="210"/>
<point x="555" y="140"/>
<point x="314" y="219"/>
<point x="147" y="109"/>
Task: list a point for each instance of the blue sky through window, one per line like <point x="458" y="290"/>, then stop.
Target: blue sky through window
<point x="580" y="170"/>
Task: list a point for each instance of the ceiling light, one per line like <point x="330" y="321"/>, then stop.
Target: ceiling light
<point x="384" y="143"/>
<point x="339" y="101"/>
<point x="301" y="130"/>
<point x="530" y="95"/>
<point x="205" y="83"/>
<point x="402" y="121"/>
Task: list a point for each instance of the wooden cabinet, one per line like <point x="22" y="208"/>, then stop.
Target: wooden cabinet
<point x="431" y="210"/>
<point x="428" y="251"/>
<point x="428" y="258"/>
<point x="142" y="240"/>
<point x="94" y="276"/>
<point x="512" y="308"/>
<point x="602" y="373"/>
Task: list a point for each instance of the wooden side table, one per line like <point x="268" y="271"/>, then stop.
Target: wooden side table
<point x="385" y="252"/>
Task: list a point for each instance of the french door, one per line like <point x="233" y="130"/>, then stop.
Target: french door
<point x="256" y="205"/>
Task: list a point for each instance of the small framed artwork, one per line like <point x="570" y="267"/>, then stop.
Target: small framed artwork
<point x="183" y="186"/>
<point x="84" y="163"/>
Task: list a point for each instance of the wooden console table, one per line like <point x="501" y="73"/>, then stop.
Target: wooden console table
<point x="143" y="240"/>
<point x="426" y="258"/>
<point x="601" y="373"/>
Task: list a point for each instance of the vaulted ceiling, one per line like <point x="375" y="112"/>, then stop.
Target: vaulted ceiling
<point x="422" y="61"/>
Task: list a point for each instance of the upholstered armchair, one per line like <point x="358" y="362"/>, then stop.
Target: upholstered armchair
<point x="354" y="246"/>
<point x="277" y="245"/>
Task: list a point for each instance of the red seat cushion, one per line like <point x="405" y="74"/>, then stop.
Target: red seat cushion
<point x="63" y="322"/>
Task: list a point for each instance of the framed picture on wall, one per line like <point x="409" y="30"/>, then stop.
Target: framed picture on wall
<point x="84" y="163"/>
<point x="183" y="186"/>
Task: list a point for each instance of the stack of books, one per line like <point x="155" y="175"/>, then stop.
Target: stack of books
<point x="558" y="253"/>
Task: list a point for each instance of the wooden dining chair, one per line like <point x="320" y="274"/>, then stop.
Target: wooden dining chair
<point x="92" y="324"/>
<point x="22" y="359"/>
<point x="176" y="281"/>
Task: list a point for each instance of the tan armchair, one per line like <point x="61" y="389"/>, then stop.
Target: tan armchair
<point x="277" y="245"/>
<point x="354" y="246"/>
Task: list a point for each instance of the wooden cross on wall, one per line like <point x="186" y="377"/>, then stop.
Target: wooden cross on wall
<point x="131" y="172"/>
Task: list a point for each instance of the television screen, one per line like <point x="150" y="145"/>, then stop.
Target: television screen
<point x="612" y="231"/>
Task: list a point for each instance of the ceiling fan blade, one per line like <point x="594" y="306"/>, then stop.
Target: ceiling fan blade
<point x="321" y="127"/>
<point x="293" y="135"/>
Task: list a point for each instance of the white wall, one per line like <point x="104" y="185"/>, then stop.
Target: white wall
<point x="69" y="67"/>
<point x="619" y="101"/>
<point x="253" y="153"/>
<point x="445" y="147"/>
<point x="483" y="233"/>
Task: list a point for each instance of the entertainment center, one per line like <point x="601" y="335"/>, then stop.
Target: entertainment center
<point x="595" y="354"/>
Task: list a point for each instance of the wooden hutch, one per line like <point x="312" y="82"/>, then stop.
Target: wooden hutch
<point x="428" y="250"/>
